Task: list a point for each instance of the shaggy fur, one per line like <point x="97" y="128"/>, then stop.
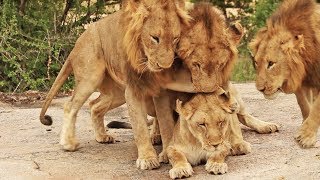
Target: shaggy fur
<point x="209" y="47"/>
<point x="287" y="59"/>
<point x="122" y="56"/>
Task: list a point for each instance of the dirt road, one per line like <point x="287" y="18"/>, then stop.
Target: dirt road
<point x="31" y="150"/>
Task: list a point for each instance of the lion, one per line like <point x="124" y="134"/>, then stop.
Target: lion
<point x="208" y="48"/>
<point x="207" y="130"/>
<point x="286" y="56"/>
<point x="125" y="56"/>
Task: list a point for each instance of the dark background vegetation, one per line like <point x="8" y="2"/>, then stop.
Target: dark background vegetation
<point x="36" y="36"/>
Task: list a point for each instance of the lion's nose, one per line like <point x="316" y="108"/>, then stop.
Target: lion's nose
<point x="262" y="89"/>
<point x="234" y="107"/>
<point x="164" y="65"/>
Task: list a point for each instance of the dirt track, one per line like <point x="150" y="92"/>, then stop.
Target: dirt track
<point x="31" y="150"/>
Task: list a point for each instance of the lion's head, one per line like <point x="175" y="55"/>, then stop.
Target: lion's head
<point x="285" y="47"/>
<point x="206" y="120"/>
<point x="208" y="47"/>
<point x="153" y="30"/>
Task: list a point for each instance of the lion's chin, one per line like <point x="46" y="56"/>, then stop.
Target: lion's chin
<point x="153" y="68"/>
<point x="272" y="96"/>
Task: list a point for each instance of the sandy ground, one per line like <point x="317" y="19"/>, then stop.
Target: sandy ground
<point x="31" y="150"/>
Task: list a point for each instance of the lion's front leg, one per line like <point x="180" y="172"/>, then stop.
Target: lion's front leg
<point x="238" y="145"/>
<point x="147" y="157"/>
<point x="216" y="162"/>
<point x="165" y="119"/>
<point x="304" y="99"/>
<point x="180" y="165"/>
<point x="307" y="134"/>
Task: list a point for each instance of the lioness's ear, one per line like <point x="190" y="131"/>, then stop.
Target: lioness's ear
<point x="220" y="91"/>
<point x="184" y="111"/>
<point x="236" y="31"/>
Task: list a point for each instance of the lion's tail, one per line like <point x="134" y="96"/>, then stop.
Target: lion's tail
<point x="125" y="125"/>
<point x="61" y="78"/>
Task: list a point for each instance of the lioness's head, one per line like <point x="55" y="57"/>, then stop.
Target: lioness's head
<point x="153" y="31"/>
<point x="281" y="48"/>
<point x="208" y="47"/>
<point x="207" y="122"/>
<point x="224" y="99"/>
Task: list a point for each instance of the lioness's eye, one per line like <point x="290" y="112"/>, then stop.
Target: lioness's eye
<point x="270" y="64"/>
<point x="202" y="124"/>
<point x="155" y="39"/>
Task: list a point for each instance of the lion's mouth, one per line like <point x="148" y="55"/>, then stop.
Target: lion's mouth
<point x="273" y="94"/>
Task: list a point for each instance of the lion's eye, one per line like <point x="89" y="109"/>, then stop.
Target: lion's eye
<point x="196" y="65"/>
<point x="155" y="39"/>
<point x="176" y="40"/>
<point x="270" y="64"/>
<point x="222" y="123"/>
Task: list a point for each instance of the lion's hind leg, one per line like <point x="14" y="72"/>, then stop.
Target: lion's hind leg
<point x="109" y="98"/>
<point x="71" y="108"/>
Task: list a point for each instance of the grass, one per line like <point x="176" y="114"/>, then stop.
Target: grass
<point x="243" y="70"/>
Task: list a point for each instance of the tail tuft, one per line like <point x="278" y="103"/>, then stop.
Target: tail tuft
<point x="46" y="120"/>
<point x="119" y="125"/>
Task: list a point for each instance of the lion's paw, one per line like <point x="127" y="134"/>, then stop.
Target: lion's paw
<point x="148" y="163"/>
<point x="70" y="145"/>
<point x="306" y="137"/>
<point x="216" y="168"/>
<point x="105" y="138"/>
<point x="156" y="139"/>
<point x="163" y="157"/>
<point x="241" y="148"/>
<point x="181" y="171"/>
<point x="268" y="127"/>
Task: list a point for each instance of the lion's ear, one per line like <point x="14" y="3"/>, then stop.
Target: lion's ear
<point x="299" y="42"/>
<point x="236" y="31"/>
<point x="255" y="43"/>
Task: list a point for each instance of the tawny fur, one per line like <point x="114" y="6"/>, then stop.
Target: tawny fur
<point x="123" y="56"/>
<point x="287" y="58"/>
<point x="205" y="132"/>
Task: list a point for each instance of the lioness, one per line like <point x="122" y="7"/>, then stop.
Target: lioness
<point x="208" y="48"/>
<point x="123" y="56"/>
<point x="205" y="131"/>
<point x="287" y="59"/>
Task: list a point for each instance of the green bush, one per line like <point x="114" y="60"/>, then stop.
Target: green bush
<point x="35" y="41"/>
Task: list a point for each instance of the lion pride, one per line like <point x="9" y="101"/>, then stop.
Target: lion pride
<point x="287" y="59"/>
<point x="124" y="56"/>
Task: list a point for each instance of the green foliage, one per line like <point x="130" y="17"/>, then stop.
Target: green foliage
<point x="36" y="40"/>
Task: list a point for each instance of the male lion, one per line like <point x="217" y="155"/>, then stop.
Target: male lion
<point x="287" y="58"/>
<point x="208" y="48"/>
<point x="205" y="131"/>
<point x="123" y="56"/>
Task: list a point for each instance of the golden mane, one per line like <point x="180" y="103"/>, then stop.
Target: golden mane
<point x="296" y="16"/>
<point x="134" y="18"/>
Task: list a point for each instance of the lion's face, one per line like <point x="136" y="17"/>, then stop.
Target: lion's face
<point x="207" y="123"/>
<point x="278" y="62"/>
<point x="159" y="38"/>
<point x="209" y="48"/>
<point x="154" y="30"/>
